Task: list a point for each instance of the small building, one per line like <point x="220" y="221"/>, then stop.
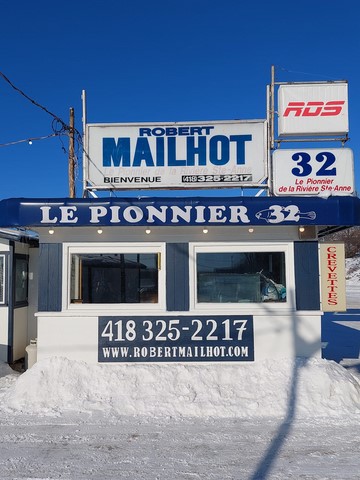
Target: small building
<point x="170" y="279"/>
<point x="18" y="291"/>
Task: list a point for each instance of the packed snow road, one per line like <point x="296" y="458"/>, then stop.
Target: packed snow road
<point x="272" y="420"/>
<point x="180" y="449"/>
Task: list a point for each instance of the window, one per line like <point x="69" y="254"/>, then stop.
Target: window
<point x="118" y="275"/>
<point x="240" y="275"/>
<point x="2" y="279"/>
<point x="21" y="266"/>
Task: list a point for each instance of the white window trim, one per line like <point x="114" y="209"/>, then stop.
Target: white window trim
<point x="112" y="247"/>
<point x="287" y="248"/>
<point x="2" y="300"/>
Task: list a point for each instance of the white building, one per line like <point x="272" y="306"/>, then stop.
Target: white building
<point x="173" y="279"/>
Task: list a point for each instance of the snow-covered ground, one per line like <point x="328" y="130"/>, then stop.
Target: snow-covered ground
<point x="270" y="420"/>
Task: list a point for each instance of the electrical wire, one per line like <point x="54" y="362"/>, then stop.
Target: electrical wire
<point x="59" y="128"/>
<point x="283" y="69"/>
<point x="28" y="140"/>
<point x="34" y="102"/>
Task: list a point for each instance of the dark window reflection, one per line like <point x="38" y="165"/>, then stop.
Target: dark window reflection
<point x="241" y="277"/>
<point x="114" y="278"/>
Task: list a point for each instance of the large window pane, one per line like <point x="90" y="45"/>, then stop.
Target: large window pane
<point x="241" y="277"/>
<point x="114" y="278"/>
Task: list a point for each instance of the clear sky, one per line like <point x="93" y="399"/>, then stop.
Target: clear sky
<point x="160" y="61"/>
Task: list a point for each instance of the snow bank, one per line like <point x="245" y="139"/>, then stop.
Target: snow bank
<point x="7" y="377"/>
<point x="262" y="389"/>
<point x="353" y="270"/>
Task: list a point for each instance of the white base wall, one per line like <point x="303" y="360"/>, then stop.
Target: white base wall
<point x="73" y="337"/>
<point x="287" y="336"/>
<point x="275" y="337"/>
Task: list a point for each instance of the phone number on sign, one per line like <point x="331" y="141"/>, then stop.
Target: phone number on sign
<point x="183" y="338"/>
<point x="233" y="178"/>
<point x="161" y="331"/>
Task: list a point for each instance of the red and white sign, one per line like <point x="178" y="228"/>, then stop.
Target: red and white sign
<point x="314" y="172"/>
<point x="313" y="109"/>
<point x="333" y="283"/>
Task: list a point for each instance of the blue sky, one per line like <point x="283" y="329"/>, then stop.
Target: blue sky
<point x="157" y="61"/>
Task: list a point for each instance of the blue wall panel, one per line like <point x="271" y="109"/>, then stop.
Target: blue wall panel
<point x="177" y="277"/>
<point x="307" y="288"/>
<point x="50" y="277"/>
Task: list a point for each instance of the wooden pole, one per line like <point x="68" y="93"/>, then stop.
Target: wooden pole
<point x="72" y="154"/>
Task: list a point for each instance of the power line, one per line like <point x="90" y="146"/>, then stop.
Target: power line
<point x="64" y="127"/>
<point x="29" y="140"/>
<point x="34" y="102"/>
<point x="59" y="127"/>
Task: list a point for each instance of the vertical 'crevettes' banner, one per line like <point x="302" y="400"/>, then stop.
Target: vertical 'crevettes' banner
<point x="333" y="281"/>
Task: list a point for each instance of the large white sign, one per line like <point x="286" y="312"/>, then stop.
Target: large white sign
<point x="313" y="109"/>
<point x="318" y="172"/>
<point x="176" y="155"/>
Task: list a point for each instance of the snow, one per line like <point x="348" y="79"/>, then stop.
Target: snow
<point x="57" y="385"/>
<point x="288" y="419"/>
<point x="352" y="266"/>
<point x="284" y="419"/>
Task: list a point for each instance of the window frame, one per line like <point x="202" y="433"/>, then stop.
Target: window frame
<point x="243" y="247"/>
<point x="87" y="248"/>
<point x="3" y="256"/>
<point x="20" y="303"/>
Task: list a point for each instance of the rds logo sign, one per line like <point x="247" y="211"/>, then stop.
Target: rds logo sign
<point x="314" y="109"/>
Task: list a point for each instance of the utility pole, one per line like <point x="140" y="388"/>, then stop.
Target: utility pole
<point x="72" y="154"/>
<point x="272" y="108"/>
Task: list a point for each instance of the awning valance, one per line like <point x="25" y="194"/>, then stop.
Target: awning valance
<point x="179" y="211"/>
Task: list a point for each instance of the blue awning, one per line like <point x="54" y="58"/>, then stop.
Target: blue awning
<point x="179" y="211"/>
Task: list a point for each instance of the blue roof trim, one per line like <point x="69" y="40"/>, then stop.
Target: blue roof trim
<point x="166" y="211"/>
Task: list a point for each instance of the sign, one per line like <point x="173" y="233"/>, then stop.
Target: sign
<point x="316" y="172"/>
<point x="313" y="109"/>
<point x="179" y="211"/>
<point x="176" y="155"/>
<point x="332" y="274"/>
<point x="215" y="338"/>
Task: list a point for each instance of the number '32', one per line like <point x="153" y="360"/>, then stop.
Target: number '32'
<point x="304" y="167"/>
